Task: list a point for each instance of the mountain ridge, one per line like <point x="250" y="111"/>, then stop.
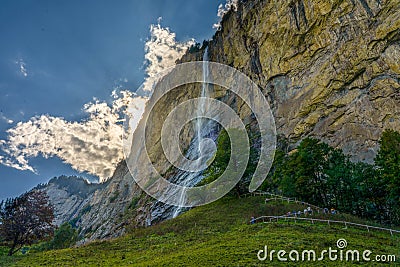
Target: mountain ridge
<point x="69" y="195"/>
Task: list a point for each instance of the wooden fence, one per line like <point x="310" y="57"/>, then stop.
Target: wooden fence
<point x="270" y="219"/>
<point x="266" y="219"/>
<point x="282" y="198"/>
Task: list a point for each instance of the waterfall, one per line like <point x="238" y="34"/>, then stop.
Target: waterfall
<point x="202" y="127"/>
<point x="202" y="103"/>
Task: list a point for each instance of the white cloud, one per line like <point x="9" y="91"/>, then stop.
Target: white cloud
<point x="161" y="52"/>
<point x="93" y="145"/>
<point x="223" y="9"/>
<point x="22" y="67"/>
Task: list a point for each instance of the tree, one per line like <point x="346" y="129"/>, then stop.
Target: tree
<point x="387" y="162"/>
<point x="325" y="176"/>
<point x="340" y="181"/>
<point x="26" y="219"/>
<point x="369" y="192"/>
<point x="64" y="237"/>
<point x="274" y="178"/>
<point x="303" y="173"/>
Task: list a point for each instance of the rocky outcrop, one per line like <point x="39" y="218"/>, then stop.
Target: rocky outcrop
<point x="69" y="196"/>
<point x="104" y="215"/>
<point x="95" y="209"/>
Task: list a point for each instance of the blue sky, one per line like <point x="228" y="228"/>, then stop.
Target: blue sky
<point x="55" y="56"/>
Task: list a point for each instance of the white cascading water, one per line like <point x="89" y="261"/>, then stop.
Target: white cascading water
<point x="202" y="103"/>
<point x="202" y="128"/>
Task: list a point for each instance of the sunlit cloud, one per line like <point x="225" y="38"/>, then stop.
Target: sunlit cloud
<point x="93" y="145"/>
<point x="223" y="9"/>
<point x="161" y="52"/>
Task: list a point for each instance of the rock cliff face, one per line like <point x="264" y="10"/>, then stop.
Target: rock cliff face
<point x="69" y="196"/>
<point x="329" y="68"/>
<point x="95" y="209"/>
<point x="102" y="216"/>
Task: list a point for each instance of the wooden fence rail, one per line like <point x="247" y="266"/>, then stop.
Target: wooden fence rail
<point x="276" y="197"/>
<point x="270" y="219"/>
<point x="267" y="219"/>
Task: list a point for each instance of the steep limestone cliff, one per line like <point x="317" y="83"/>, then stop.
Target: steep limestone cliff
<point x="330" y="69"/>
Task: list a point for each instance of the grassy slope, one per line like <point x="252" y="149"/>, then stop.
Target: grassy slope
<point x="215" y="235"/>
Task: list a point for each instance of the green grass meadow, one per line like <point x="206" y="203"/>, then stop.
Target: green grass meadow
<point x="219" y="234"/>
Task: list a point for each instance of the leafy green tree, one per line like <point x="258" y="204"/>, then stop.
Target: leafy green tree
<point x="274" y="178"/>
<point x="220" y="160"/>
<point x="369" y="192"/>
<point x="340" y="182"/>
<point x="322" y="175"/>
<point x="289" y="174"/>
<point x="303" y="174"/>
<point x="64" y="237"/>
<point x="387" y="162"/>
